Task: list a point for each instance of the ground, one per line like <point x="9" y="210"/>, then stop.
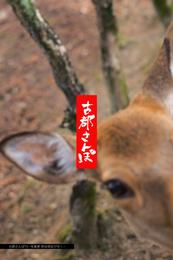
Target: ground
<point x="31" y="211"/>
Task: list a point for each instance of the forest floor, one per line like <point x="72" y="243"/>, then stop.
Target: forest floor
<point x="32" y="211"/>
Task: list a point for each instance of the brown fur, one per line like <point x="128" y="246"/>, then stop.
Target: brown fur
<point x="159" y="81"/>
<point x="136" y="146"/>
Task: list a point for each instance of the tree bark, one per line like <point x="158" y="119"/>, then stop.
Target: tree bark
<point x="165" y="12"/>
<point x="84" y="217"/>
<point x="56" y="53"/>
<point x="108" y="29"/>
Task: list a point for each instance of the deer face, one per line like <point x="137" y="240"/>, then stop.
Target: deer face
<point x="135" y="162"/>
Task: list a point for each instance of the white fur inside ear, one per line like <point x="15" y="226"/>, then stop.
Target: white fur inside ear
<point x="171" y="68"/>
<point x="169" y="104"/>
<point x="65" y="155"/>
<point x="39" y="154"/>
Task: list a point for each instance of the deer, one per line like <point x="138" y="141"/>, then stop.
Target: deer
<point x="135" y="154"/>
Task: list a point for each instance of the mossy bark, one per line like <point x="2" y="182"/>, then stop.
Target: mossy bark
<point x="56" y="53"/>
<point x="84" y="217"/>
<point x="164" y="11"/>
<point x="108" y="29"/>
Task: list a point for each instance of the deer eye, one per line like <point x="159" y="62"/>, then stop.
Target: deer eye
<point x="119" y="189"/>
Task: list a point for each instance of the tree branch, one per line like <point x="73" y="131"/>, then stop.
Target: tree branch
<point x="108" y="29"/>
<point x="50" y="42"/>
<point x="165" y="12"/>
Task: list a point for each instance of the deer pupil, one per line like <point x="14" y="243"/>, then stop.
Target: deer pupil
<point x="119" y="189"/>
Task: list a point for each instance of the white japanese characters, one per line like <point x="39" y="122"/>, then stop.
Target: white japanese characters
<point x="86" y="124"/>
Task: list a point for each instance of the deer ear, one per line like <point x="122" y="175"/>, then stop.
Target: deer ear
<point x="43" y="156"/>
<point x="159" y="82"/>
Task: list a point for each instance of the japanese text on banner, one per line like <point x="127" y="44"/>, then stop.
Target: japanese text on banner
<point x="86" y="130"/>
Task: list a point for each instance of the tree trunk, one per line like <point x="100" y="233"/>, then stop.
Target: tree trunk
<point x="164" y="11"/>
<point x="84" y="217"/>
<point x="108" y="29"/>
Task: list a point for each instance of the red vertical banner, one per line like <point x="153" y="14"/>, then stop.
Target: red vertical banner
<point x="86" y="131"/>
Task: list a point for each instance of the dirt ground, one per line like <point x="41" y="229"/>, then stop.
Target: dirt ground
<point x="31" y="211"/>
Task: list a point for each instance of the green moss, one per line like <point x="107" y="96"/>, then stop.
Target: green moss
<point x="124" y="89"/>
<point x="103" y="230"/>
<point x="87" y="193"/>
<point x="28" y="7"/>
<point x="91" y="200"/>
<point x="64" y="233"/>
<point x="164" y="11"/>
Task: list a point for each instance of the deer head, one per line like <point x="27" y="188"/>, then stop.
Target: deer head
<point x="135" y="153"/>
